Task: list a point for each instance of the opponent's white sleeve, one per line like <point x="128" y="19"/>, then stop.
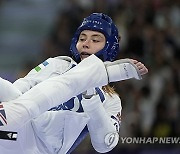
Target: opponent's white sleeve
<point x="8" y="91"/>
<point x="102" y="128"/>
<point x="49" y="68"/>
<point x="89" y="73"/>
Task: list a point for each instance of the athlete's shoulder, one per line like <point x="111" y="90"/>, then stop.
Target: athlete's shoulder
<point x="61" y="60"/>
<point x="61" y="63"/>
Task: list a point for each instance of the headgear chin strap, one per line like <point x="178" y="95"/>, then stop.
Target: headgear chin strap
<point x="104" y="24"/>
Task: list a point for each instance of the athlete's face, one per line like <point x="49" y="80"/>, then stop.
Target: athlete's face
<point x="90" y="42"/>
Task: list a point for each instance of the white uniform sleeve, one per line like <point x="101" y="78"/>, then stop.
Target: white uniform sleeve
<point x="8" y="91"/>
<point x="49" y="68"/>
<point x="104" y="123"/>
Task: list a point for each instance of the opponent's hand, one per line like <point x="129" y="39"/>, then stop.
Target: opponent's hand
<point x="142" y="68"/>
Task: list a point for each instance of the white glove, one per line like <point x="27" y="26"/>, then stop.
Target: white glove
<point x="122" y="70"/>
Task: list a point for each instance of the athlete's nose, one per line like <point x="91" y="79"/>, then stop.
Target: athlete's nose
<point x="86" y="44"/>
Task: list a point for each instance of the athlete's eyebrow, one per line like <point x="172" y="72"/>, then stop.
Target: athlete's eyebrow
<point x="82" y="34"/>
<point x="94" y="35"/>
<point x="97" y="35"/>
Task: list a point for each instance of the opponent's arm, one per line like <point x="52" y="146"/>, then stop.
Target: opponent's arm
<point x="12" y="91"/>
<point x="49" y="68"/>
<point x="35" y="76"/>
<point x="8" y="91"/>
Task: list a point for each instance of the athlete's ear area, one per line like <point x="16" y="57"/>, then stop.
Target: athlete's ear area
<point x="119" y="38"/>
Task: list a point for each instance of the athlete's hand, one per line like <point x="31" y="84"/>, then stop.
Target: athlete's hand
<point x="89" y="93"/>
<point x="142" y="68"/>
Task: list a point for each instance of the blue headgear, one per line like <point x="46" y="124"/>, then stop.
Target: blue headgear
<point x="104" y="24"/>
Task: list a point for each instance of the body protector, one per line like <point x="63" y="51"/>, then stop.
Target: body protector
<point x="104" y="24"/>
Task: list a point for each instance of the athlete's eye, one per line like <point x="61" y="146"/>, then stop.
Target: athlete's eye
<point x="81" y="39"/>
<point x="95" y="41"/>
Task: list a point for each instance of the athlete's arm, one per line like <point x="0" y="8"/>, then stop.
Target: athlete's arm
<point x="103" y="125"/>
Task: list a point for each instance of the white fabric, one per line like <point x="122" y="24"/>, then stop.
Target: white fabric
<point x="101" y="123"/>
<point x="56" y="66"/>
<point x="31" y="139"/>
<point x="60" y="129"/>
<point x="8" y="91"/>
<point x="52" y="132"/>
<point x="54" y="91"/>
<point x="122" y="70"/>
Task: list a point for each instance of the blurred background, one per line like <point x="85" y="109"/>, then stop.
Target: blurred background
<point x="34" y="30"/>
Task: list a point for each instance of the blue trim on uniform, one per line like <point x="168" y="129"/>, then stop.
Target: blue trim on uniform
<point x="45" y="63"/>
<point x="2" y="115"/>
<point x="1" y="124"/>
<point x="101" y="95"/>
<point x="73" y="65"/>
<point x="69" y="105"/>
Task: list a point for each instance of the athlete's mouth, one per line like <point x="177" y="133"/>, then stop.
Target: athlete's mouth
<point x="84" y="55"/>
